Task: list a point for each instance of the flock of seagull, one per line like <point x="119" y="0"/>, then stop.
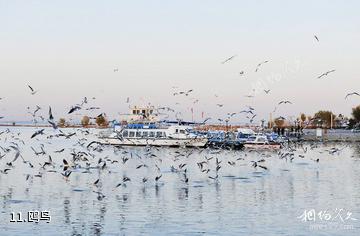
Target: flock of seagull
<point x="86" y="153"/>
<point x="325" y="74"/>
<point x="250" y="119"/>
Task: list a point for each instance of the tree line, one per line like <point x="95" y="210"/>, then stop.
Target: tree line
<point x="100" y="121"/>
<point x="323" y="118"/>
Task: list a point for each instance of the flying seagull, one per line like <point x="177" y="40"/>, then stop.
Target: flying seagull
<point x="350" y="94"/>
<point x="75" y="108"/>
<point x="53" y="124"/>
<point x="258" y="66"/>
<point x="51" y="117"/>
<point x="188" y="92"/>
<point x="37" y="133"/>
<point x="326" y="73"/>
<point x="32" y="90"/>
<point x="92" y="108"/>
<point x="316" y="38"/>
<point x="266" y="91"/>
<point x="84" y="101"/>
<point x="206" y="120"/>
<point x="284" y="102"/>
<point x="245" y="111"/>
<point x="228" y="59"/>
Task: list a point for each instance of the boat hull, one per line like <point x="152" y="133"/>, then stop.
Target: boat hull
<point x="262" y="146"/>
<point x="225" y="145"/>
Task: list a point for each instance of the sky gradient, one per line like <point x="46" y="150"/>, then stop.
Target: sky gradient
<point x="68" y="49"/>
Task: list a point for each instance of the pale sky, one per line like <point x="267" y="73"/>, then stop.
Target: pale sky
<point x="68" y="49"/>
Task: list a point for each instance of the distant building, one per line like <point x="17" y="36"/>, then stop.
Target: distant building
<point x="139" y="113"/>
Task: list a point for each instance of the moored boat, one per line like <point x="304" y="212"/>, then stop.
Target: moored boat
<point x="243" y="134"/>
<point x="154" y="135"/>
<point x="261" y="142"/>
<point x="223" y="139"/>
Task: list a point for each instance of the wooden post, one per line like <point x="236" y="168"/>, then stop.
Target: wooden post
<point x="331" y="121"/>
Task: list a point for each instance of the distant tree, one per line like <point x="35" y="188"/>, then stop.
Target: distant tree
<point x="85" y="121"/>
<point x="303" y="117"/>
<point x="61" y="122"/>
<point x="324" y="118"/>
<point x="352" y="123"/>
<point x="356" y="114"/>
<point x="279" y="122"/>
<point x="310" y="121"/>
<point x="101" y="121"/>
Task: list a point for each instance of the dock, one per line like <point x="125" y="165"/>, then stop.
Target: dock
<point x="335" y="135"/>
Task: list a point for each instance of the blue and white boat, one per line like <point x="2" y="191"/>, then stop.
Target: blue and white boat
<point x="223" y="139"/>
<point x="244" y="134"/>
<point x="251" y="139"/>
<point x="261" y="141"/>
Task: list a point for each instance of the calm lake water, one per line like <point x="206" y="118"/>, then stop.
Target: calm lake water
<point x="243" y="200"/>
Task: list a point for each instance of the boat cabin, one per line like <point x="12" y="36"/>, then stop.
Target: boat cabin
<point x="140" y="113"/>
<point x="244" y="134"/>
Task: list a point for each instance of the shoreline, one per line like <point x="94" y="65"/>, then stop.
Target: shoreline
<point x="336" y="135"/>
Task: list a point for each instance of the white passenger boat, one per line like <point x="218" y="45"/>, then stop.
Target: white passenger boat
<point x="261" y="142"/>
<point x="150" y="135"/>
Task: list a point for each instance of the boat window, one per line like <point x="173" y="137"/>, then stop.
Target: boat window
<point x="159" y="134"/>
<point x="176" y="131"/>
<point x="125" y="133"/>
<point x="151" y="134"/>
<point x="134" y="112"/>
<point x="145" y="134"/>
<point x="131" y="134"/>
<point x="138" y="134"/>
<point x="252" y="138"/>
<point x="241" y="135"/>
<point x="182" y="131"/>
